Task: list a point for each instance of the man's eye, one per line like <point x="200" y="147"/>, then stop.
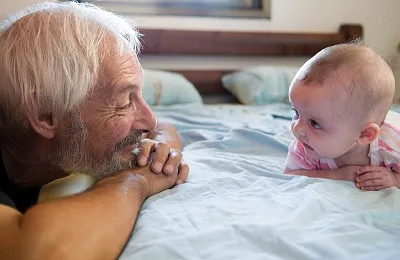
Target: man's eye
<point x="314" y="124"/>
<point x="127" y="106"/>
<point x="296" y="114"/>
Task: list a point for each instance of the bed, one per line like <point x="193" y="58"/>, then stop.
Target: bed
<point x="237" y="203"/>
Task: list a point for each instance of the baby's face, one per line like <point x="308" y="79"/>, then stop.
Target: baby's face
<point x="320" y="121"/>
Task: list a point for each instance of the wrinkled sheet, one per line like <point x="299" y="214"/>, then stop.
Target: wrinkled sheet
<point x="237" y="203"/>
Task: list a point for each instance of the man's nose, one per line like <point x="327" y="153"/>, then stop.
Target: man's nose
<point x="146" y="119"/>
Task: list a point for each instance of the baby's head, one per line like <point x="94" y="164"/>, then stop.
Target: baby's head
<point x="341" y="96"/>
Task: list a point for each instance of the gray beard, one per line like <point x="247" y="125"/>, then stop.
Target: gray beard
<point x="72" y="155"/>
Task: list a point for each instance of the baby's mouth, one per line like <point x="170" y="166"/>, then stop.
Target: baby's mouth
<point x="308" y="147"/>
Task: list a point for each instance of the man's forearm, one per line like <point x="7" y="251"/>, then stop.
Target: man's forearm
<point x="93" y="225"/>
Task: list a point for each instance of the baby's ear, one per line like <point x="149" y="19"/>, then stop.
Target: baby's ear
<point x="368" y="134"/>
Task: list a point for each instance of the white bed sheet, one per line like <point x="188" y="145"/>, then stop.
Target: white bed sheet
<point x="237" y="203"/>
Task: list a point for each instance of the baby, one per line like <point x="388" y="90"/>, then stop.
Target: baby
<point x="340" y="98"/>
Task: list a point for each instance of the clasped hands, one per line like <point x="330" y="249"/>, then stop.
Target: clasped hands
<point x="162" y="159"/>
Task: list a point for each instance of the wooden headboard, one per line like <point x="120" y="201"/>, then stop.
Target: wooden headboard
<point x="223" y="43"/>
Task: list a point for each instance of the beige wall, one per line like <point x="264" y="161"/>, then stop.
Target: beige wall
<point x="10" y="6"/>
<point x="381" y="21"/>
<point x="380" y="18"/>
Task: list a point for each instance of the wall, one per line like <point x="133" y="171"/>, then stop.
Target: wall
<point x="381" y="21"/>
<point x="10" y="6"/>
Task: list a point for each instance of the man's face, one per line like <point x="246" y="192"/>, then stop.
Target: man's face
<point x="101" y="139"/>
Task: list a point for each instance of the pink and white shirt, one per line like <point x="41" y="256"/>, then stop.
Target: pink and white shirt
<point x="383" y="151"/>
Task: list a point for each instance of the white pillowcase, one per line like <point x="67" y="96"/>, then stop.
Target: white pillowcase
<point x="168" y="88"/>
<point x="260" y="85"/>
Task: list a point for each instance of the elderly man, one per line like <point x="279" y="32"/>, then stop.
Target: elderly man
<point x="70" y="101"/>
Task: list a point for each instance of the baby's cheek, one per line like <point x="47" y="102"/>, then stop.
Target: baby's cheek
<point x="326" y="149"/>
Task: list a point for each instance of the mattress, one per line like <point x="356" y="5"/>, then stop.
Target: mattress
<point x="238" y="204"/>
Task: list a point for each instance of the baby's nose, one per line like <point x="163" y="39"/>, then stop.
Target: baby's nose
<point x="298" y="131"/>
<point x="301" y="135"/>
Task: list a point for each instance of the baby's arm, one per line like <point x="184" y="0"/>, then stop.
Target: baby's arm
<point x="397" y="176"/>
<point x="298" y="164"/>
<point x="346" y="173"/>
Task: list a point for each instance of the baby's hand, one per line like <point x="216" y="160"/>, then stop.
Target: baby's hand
<point x="375" y="178"/>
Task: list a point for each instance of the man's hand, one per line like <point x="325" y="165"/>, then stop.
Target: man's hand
<point x="376" y="178"/>
<point x="151" y="183"/>
<point x="165" y="160"/>
<point x="143" y="179"/>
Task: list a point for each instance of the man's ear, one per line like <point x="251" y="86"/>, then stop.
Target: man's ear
<point x="43" y="124"/>
<point x="368" y="134"/>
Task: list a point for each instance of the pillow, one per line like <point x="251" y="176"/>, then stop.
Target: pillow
<point x="167" y="88"/>
<point x="395" y="107"/>
<point x="260" y="85"/>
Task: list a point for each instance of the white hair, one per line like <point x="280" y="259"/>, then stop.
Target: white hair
<point x="50" y="57"/>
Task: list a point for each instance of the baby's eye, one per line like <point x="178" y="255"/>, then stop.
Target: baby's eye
<point x="296" y="114"/>
<point x="314" y="124"/>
